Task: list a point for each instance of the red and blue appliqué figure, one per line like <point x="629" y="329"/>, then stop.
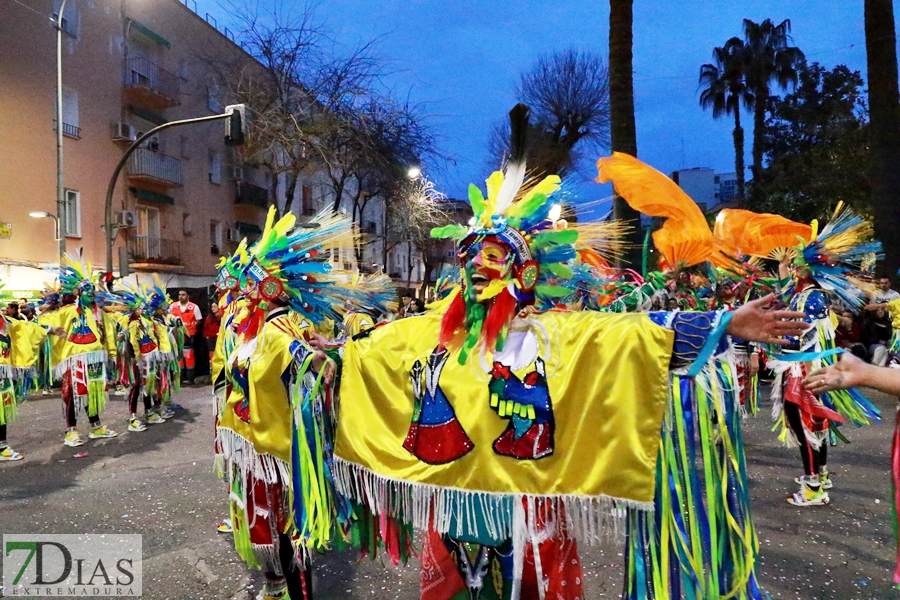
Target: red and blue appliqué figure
<point x="437" y="437"/>
<point x="81" y="334"/>
<point x="240" y="378"/>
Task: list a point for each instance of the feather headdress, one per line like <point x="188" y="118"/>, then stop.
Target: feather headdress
<point x="291" y="264"/>
<point x="75" y="275"/>
<point x="155" y="295"/>
<point x="228" y="279"/>
<point x="835" y="255"/>
<point x="126" y="298"/>
<point x="550" y="261"/>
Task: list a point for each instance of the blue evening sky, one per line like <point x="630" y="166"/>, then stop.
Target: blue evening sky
<point x="460" y="61"/>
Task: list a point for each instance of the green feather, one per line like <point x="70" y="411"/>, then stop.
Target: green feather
<point x="553" y="291"/>
<point x="476" y="199"/>
<point x="526" y="208"/>
<point x="560" y="270"/>
<point x="563" y="236"/>
<point x="454" y="231"/>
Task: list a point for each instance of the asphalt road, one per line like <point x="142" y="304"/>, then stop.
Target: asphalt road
<point x="160" y="484"/>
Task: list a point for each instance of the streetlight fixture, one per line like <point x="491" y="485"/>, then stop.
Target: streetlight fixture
<point x="60" y="190"/>
<point x="414" y="172"/>
<point x="45" y="215"/>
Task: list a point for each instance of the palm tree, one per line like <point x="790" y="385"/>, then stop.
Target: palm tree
<point x="623" y="137"/>
<point x="724" y="90"/>
<point x="768" y="58"/>
<point x="884" y="115"/>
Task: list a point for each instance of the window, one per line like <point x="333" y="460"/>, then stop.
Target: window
<point x="215" y="167"/>
<point x="215" y="236"/>
<point x="306" y="200"/>
<point x="72" y="221"/>
<point x="70" y="113"/>
<point x="148" y="221"/>
<point x="214" y="98"/>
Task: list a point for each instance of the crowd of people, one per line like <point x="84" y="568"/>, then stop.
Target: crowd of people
<point x="340" y="422"/>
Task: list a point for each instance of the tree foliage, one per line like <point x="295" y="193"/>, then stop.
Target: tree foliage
<point x="568" y="94"/>
<point x="769" y="58"/>
<point x="724" y="90"/>
<point x="313" y="111"/>
<point x="815" y="147"/>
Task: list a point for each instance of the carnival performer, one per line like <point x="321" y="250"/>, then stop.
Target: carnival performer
<point x="276" y="426"/>
<point x="190" y="316"/>
<point x="20" y="343"/>
<point x="468" y="424"/>
<point x="48" y="304"/>
<point x="172" y="336"/>
<point x="81" y="360"/>
<point x="827" y="264"/>
<point x="138" y="353"/>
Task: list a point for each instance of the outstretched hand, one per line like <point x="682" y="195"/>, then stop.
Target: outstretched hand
<point x="846" y="373"/>
<point x="754" y="323"/>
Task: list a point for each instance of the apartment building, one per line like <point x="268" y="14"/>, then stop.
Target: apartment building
<point x="710" y="190"/>
<point x="183" y="198"/>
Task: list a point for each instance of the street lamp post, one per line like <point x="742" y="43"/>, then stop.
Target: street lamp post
<point x="234" y="137"/>
<point x="45" y="215"/>
<point x="60" y="190"/>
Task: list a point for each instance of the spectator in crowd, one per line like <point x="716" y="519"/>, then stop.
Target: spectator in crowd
<point x="405" y="300"/>
<point x="416" y="307"/>
<point x="672" y="304"/>
<point x="878" y="335"/>
<point x="656" y="303"/>
<point x="28" y="312"/>
<point x="884" y="294"/>
<point x="211" y="327"/>
<point x="12" y="311"/>
<point x="849" y="335"/>
<point x="190" y="316"/>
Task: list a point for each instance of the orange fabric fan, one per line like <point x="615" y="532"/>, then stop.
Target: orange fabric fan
<point x="757" y="234"/>
<point x="685" y="237"/>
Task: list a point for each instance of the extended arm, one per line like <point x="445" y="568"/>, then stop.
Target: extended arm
<point x="851" y="372"/>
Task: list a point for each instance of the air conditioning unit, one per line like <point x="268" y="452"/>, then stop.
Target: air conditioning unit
<point x="124" y="132"/>
<point x="236" y="173"/>
<point x="127" y="219"/>
<point x="232" y="235"/>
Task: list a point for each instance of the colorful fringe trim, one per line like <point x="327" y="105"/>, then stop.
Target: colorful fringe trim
<point x="700" y="541"/>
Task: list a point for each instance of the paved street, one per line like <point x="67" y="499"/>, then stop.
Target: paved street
<point x="160" y="484"/>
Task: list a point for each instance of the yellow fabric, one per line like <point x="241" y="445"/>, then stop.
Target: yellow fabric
<point x="269" y="429"/>
<point x="50" y="319"/>
<point x="607" y="377"/>
<point x="894" y="308"/>
<point x="218" y="358"/>
<point x="136" y="330"/>
<point x="67" y="318"/>
<point x="356" y="322"/>
<point x="25" y="342"/>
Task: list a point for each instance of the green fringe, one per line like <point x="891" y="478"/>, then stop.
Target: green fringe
<point x="96" y="397"/>
<point x="8" y="408"/>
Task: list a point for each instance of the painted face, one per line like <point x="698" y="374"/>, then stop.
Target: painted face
<point x="491" y="260"/>
<point x="87" y="294"/>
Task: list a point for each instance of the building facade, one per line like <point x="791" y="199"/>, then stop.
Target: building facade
<point x="127" y="66"/>
<point x="710" y="190"/>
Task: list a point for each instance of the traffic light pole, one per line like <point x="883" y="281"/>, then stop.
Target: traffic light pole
<point x="234" y="138"/>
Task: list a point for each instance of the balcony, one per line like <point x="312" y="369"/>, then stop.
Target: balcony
<point x="154" y="168"/>
<point x="150" y="86"/>
<point x="251" y="195"/>
<point x="153" y="251"/>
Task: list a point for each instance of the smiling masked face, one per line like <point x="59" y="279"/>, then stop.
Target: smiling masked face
<point x="488" y="261"/>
